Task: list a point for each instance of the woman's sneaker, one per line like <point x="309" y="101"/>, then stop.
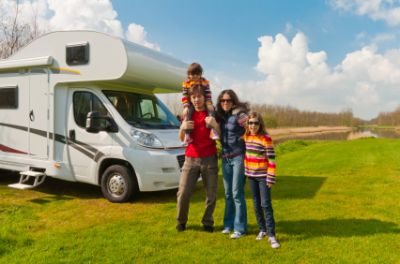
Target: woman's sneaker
<point x="226" y="231"/>
<point x="273" y="242"/>
<point x="237" y="235"/>
<point x="261" y="235"/>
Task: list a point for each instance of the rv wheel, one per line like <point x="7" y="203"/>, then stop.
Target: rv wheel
<point x="117" y="184"/>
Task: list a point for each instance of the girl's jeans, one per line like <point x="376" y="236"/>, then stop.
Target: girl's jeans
<point x="262" y="205"/>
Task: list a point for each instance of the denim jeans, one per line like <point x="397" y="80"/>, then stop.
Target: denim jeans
<point x="262" y="205"/>
<point x="235" y="216"/>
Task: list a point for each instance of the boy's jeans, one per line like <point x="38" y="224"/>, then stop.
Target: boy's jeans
<point x="262" y="204"/>
<point x="235" y="216"/>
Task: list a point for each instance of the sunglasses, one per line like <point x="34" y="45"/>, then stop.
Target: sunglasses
<point x="256" y="123"/>
<point x="225" y="101"/>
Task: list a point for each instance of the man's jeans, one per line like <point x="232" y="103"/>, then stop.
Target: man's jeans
<point x="235" y="216"/>
<point x="192" y="169"/>
<point x="262" y="204"/>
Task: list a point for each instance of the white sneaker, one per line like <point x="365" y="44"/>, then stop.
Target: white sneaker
<point x="237" y="235"/>
<point x="261" y="235"/>
<point x="273" y="242"/>
<point x="226" y="231"/>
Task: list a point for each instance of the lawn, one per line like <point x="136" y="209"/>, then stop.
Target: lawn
<point x="334" y="202"/>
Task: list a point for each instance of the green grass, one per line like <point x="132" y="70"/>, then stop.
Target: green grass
<point x="334" y="202"/>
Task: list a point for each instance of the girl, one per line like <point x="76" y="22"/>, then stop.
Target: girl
<point x="260" y="169"/>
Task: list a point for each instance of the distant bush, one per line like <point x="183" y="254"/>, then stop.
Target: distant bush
<point x="292" y="145"/>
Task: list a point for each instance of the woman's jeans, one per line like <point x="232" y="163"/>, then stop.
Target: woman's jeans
<point x="235" y="216"/>
<point x="262" y="205"/>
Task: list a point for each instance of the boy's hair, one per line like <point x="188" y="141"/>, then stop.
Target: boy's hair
<point x="197" y="89"/>
<point x="194" y="69"/>
<point x="261" y="128"/>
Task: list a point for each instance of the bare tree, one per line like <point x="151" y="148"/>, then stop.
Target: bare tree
<point x="14" y="32"/>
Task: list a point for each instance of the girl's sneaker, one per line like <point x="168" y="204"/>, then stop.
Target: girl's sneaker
<point x="273" y="242"/>
<point x="261" y="235"/>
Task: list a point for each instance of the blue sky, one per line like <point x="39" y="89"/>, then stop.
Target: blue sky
<point x="317" y="55"/>
<point x="223" y="34"/>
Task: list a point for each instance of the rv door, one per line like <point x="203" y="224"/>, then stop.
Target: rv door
<point x="85" y="149"/>
<point x="38" y="113"/>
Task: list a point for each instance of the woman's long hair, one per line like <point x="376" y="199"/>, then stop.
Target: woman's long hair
<point x="261" y="128"/>
<point x="235" y="102"/>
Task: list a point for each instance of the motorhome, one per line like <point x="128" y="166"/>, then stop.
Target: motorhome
<point x="81" y="106"/>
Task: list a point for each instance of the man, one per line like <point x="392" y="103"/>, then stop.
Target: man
<point x="200" y="160"/>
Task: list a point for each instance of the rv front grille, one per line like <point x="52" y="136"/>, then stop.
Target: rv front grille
<point x="181" y="160"/>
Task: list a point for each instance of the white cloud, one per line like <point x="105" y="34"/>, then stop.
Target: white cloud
<point x="98" y="15"/>
<point x="137" y="34"/>
<point x="386" y="10"/>
<point x="292" y="75"/>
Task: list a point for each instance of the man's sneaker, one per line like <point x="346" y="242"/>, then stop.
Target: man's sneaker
<point x="237" y="235"/>
<point x="273" y="242"/>
<point x="226" y="230"/>
<point x="208" y="228"/>
<point x="261" y="235"/>
<point x="180" y="227"/>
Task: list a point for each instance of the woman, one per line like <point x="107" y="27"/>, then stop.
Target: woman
<point x="233" y="116"/>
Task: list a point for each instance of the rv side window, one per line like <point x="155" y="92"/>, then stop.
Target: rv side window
<point x="9" y="97"/>
<point x="85" y="102"/>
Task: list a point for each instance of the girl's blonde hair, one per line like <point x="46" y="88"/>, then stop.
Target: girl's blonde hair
<point x="261" y="128"/>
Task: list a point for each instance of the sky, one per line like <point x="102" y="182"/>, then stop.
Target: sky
<point x="315" y="55"/>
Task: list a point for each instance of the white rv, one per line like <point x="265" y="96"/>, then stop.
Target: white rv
<point x="81" y="106"/>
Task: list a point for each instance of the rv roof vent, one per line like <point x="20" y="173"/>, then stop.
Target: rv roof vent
<point x="78" y="53"/>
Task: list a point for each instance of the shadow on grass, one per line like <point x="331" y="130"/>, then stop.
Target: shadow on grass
<point x="333" y="227"/>
<point x="297" y="187"/>
<point x="56" y="189"/>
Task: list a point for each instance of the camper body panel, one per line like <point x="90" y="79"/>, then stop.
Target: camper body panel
<point x="48" y="131"/>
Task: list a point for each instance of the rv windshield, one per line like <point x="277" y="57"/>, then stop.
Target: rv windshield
<point x="142" y="111"/>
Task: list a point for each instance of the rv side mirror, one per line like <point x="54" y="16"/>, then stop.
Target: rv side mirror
<point x="96" y="123"/>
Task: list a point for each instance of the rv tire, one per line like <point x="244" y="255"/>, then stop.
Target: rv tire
<point x="118" y="184"/>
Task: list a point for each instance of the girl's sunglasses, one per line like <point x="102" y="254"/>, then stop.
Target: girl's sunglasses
<point x="225" y="101"/>
<point x="256" y="123"/>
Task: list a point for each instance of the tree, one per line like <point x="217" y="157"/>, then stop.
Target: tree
<point x="14" y="31"/>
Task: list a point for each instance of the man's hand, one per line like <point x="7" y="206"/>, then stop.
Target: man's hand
<point x="187" y="125"/>
<point x="269" y="185"/>
<point x="210" y="122"/>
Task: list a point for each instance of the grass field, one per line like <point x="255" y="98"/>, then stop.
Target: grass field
<point x="335" y="202"/>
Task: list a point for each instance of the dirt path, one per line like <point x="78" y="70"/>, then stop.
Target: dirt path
<point x="301" y="131"/>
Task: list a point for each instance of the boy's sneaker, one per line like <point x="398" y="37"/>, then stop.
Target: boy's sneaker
<point x="237" y="235"/>
<point x="180" y="227"/>
<point x="226" y="230"/>
<point x="261" y="235"/>
<point x="214" y="134"/>
<point x="273" y="242"/>
<point x="187" y="139"/>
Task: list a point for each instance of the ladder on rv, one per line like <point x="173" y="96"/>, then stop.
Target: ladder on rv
<point x="25" y="182"/>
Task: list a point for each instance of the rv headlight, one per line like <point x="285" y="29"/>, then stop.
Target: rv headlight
<point x="146" y="139"/>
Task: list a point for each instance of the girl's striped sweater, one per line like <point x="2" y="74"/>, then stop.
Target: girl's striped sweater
<point x="260" y="157"/>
